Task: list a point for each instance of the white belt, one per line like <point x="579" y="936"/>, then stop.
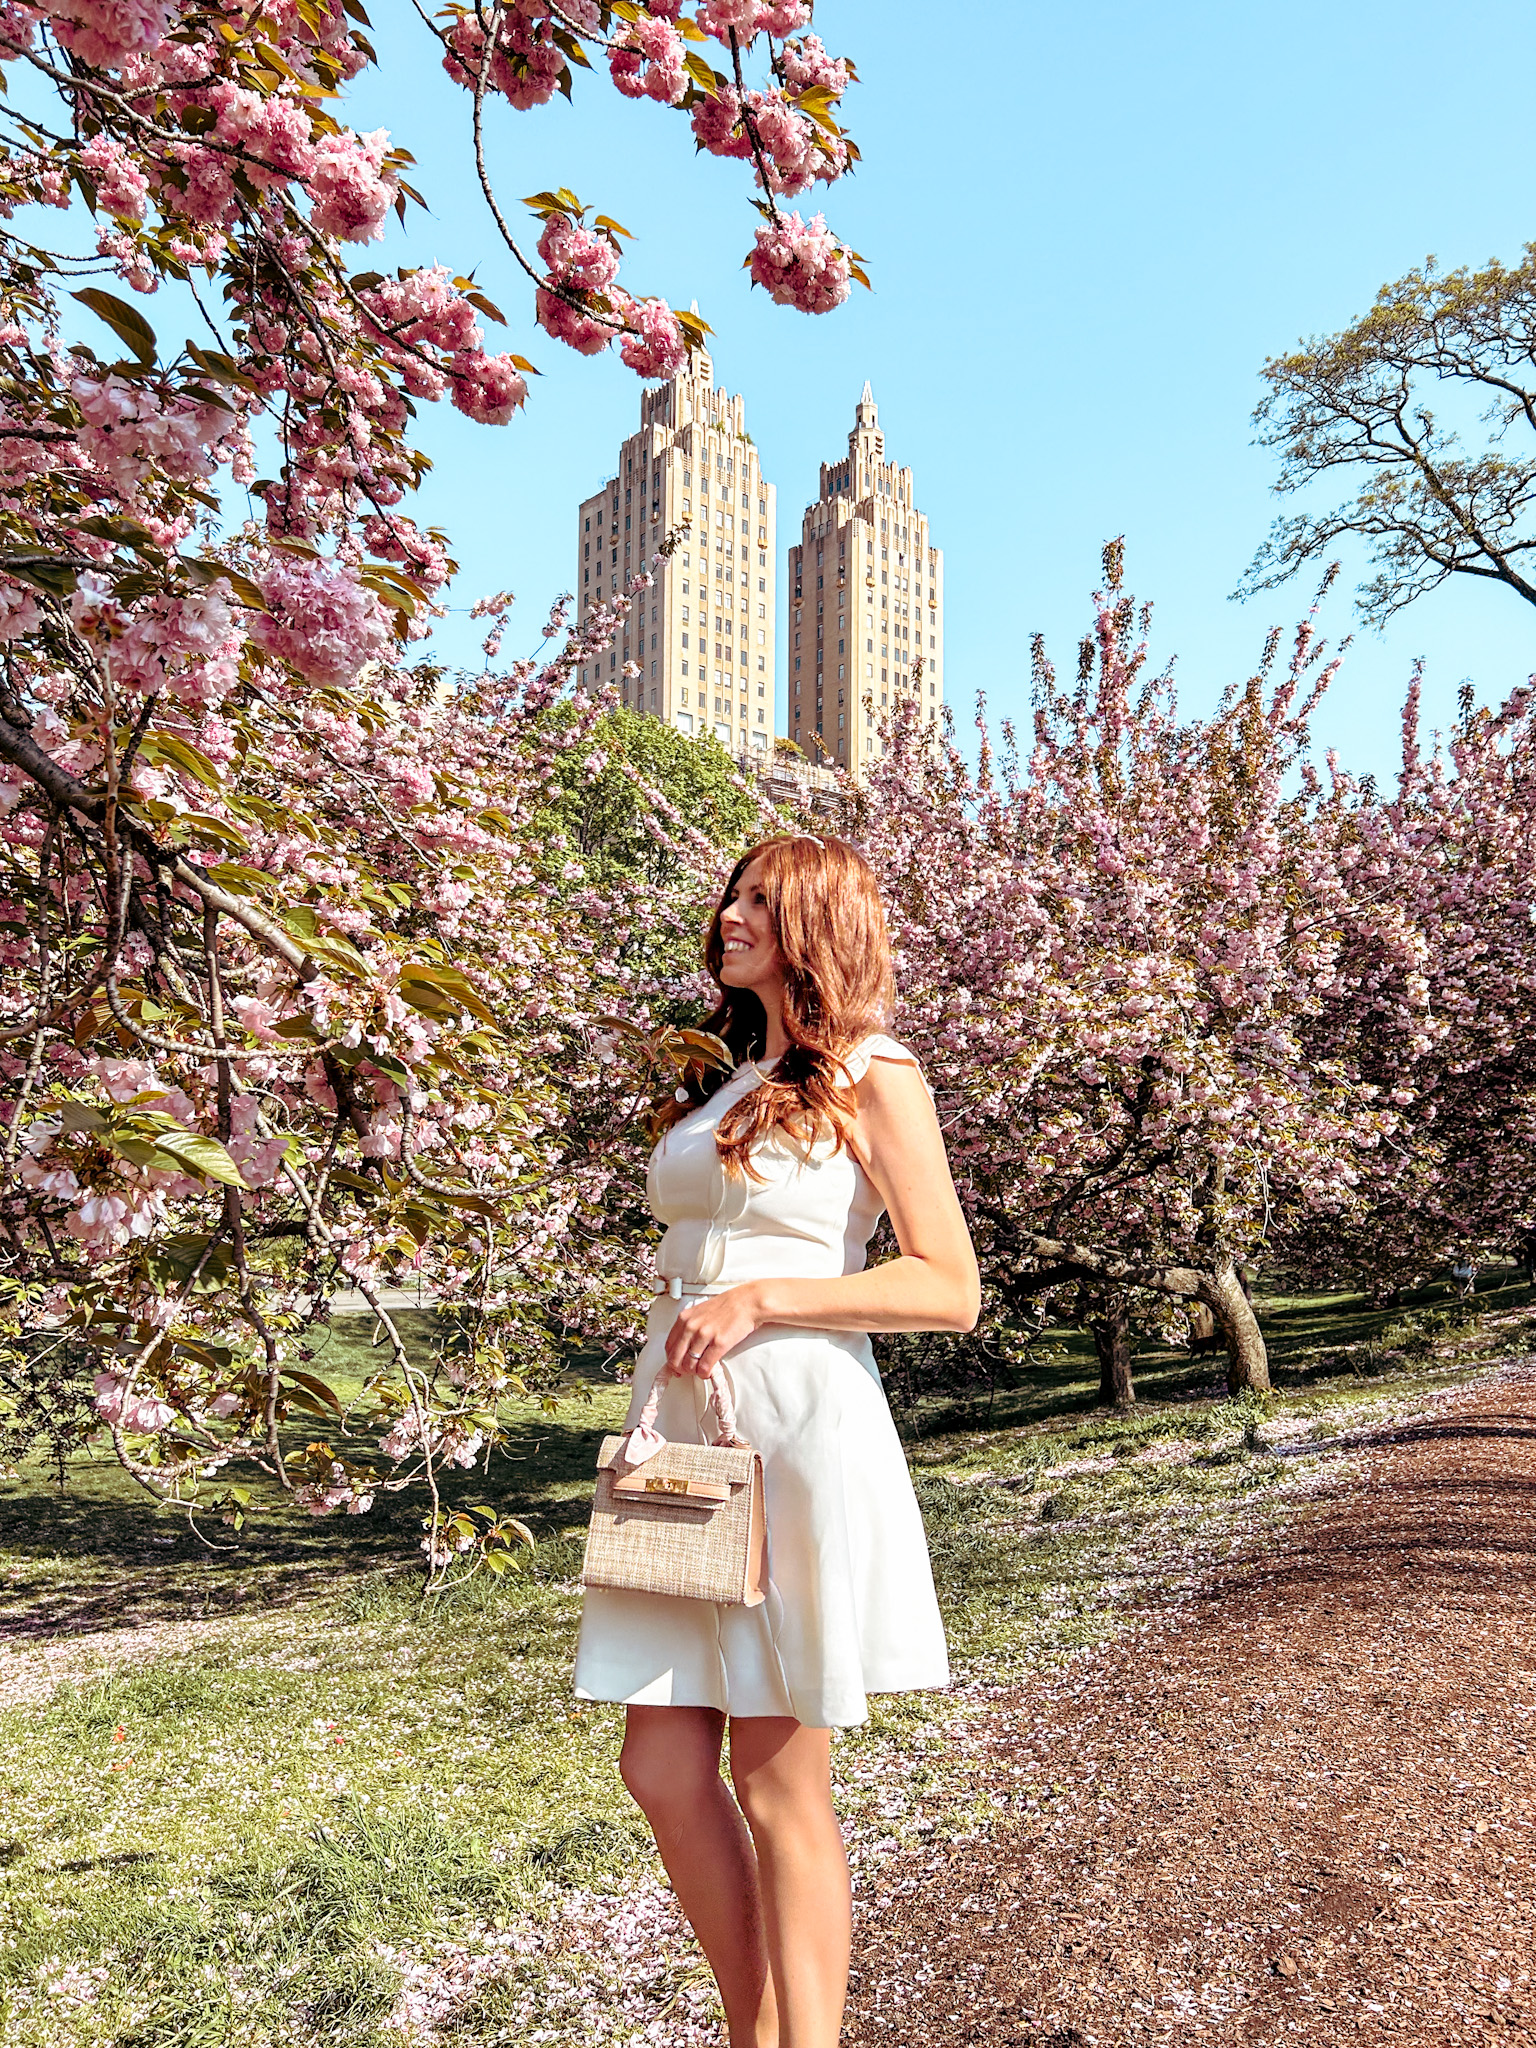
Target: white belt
<point x="678" y="1287"/>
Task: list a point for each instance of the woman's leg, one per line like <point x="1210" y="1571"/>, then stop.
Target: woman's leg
<point x="671" y="1765"/>
<point x="783" y="1778"/>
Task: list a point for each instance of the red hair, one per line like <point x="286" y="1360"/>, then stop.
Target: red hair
<point x="827" y="916"/>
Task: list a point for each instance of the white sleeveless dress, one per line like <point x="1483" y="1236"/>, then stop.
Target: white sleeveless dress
<point x="851" y="1608"/>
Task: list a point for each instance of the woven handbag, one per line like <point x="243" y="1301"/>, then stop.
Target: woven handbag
<point x="681" y="1519"/>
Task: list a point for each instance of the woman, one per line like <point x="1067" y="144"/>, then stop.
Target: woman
<point x="771" y="1187"/>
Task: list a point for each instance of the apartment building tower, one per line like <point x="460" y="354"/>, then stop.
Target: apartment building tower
<point x="866" y="602"/>
<point x="703" y="635"/>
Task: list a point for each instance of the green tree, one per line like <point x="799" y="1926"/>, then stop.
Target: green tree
<point x="1397" y="404"/>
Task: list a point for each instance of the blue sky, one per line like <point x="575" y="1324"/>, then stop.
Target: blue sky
<point x="1087" y="225"/>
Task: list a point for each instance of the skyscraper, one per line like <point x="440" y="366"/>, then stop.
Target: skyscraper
<point x="703" y="636"/>
<point x="866" y="594"/>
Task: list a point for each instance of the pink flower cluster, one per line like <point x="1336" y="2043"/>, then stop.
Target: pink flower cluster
<point x="581" y="260"/>
<point x="528" y="61"/>
<point x="350" y="189"/>
<point x="187" y="645"/>
<point x="121" y="186"/>
<point x="336" y="1490"/>
<point x="319" y="619"/>
<point x="660" y="349"/>
<point x="127" y="431"/>
<point x="420" y="317"/>
<point x="584" y="260"/>
<point x="271" y="130"/>
<point x="140" y="1414"/>
<point x="801" y="263"/>
<point x="107" y="33"/>
<point x="747" y="19"/>
<point x="487" y="388"/>
<point x="796" y="151"/>
<point x="648" y="62"/>
<point x="807" y="64"/>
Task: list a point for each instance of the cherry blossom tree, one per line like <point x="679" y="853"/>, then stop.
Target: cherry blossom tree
<point x="1112" y="950"/>
<point x="306" y="976"/>
<point x="1446" y="1029"/>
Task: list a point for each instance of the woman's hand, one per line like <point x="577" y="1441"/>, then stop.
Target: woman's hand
<point x="709" y="1326"/>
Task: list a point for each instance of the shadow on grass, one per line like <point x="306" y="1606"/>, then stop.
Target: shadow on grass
<point x="112" y="1558"/>
<point x="98" y="1554"/>
<point x="1311" y="1339"/>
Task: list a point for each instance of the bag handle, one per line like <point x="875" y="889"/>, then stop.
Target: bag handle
<point x="720" y="1400"/>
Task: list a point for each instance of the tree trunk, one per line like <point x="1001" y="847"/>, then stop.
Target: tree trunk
<point x="1216" y="1285"/>
<point x="1247" y="1359"/>
<point x="1111" y="1330"/>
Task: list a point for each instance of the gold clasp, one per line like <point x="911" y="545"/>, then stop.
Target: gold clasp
<point x="666" y="1486"/>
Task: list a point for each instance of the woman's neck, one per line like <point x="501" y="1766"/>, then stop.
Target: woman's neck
<point x="773" y="1015"/>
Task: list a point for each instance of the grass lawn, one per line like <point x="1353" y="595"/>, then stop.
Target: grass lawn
<point x="260" y="1795"/>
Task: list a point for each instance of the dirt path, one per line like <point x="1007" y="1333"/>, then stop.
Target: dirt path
<point x="1301" y="1809"/>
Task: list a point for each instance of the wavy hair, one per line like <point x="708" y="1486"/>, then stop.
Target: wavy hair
<point x="827" y="916"/>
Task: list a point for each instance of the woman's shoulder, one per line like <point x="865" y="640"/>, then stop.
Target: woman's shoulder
<point x="879" y="1045"/>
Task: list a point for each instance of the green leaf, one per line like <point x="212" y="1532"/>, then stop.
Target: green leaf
<point x="158" y="748"/>
<point x="125" y="321"/>
<point x="191" y="825"/>
<point x="449" y="983"/>
<point x="321" y="1392"/>
<point x="202" y="1155"/>
<point x="237" y="879"/>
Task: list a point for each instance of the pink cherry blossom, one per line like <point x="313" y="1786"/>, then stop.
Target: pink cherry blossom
<point x="801" y="263"/>
<point x="330" y="863"/>
<point x="109" y="32"/>
<point x="660" y="349"/>
<point x="580" y="257"/>
<point x="351" y="190"/>
<point x="121" y="187"/>
<point x="806" y="64"/>
<point x="319" y="618"/>
<point x="528" y="62"/>
<point x="717" y="124"/>
<point x="649" y="62"/>
<point x="487" y="388"/>
<point x="567" y="323"/>
<point x="274" y="133"/>
<point x="746" y="19"/>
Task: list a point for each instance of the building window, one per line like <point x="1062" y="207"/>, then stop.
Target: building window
<point x="685" y="665"/>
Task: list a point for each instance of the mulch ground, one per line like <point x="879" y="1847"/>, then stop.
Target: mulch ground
<point x="1301" y="1809"/>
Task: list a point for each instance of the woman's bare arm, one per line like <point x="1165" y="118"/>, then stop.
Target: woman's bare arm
<point x="932" y="1285"/>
